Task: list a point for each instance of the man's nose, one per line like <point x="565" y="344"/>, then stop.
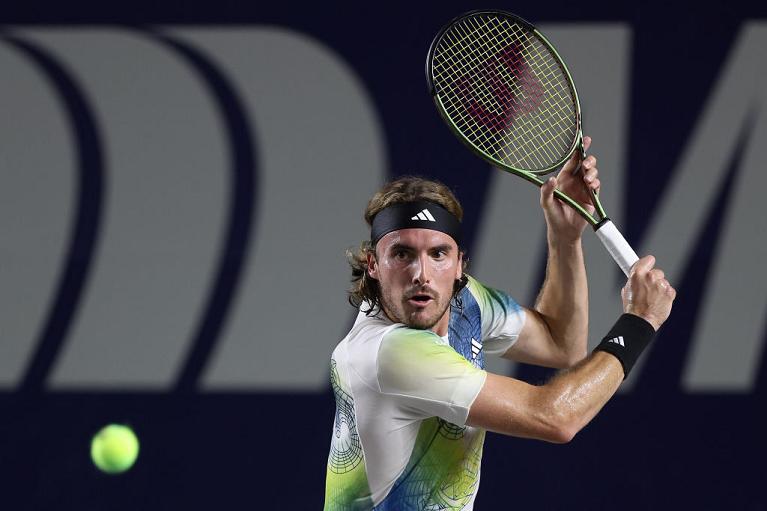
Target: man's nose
<point x="422" y="272"/>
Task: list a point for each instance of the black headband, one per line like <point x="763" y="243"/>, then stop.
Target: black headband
<point x="415" y="215"/>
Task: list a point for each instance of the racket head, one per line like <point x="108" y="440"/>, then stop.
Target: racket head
<point x="505" y="92"/>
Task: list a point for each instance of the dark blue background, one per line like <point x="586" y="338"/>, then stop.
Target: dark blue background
<point x="656" y="448"/>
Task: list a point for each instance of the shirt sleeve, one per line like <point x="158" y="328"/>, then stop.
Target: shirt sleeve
<point x="427" y="377"/>
<point x="502" y="317"/>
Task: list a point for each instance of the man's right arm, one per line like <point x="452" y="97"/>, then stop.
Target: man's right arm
<point x="556" y="411"/>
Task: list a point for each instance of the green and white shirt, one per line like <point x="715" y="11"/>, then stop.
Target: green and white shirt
<point x="400" y="440"/>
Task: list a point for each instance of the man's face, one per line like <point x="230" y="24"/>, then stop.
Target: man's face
<point x="416" y="270"/>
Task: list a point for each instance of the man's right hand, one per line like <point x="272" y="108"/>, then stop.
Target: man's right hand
<point x="647" y="293"/>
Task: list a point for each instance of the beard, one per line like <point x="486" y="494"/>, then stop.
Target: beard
<point x="399" y="310"/>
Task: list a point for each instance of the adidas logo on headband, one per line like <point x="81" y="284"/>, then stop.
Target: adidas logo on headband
<point x="424" y="215"/>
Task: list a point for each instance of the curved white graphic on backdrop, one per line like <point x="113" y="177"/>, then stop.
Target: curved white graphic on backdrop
<point x="321" y="155"/>
<point x="511" y="241"/>
<point x="167" y="173"/>
<point x="728" y="338"/>
<point x="36" y="206"/>
<point x="165" y="177"/>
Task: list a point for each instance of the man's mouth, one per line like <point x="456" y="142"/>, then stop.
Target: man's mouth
<point x="420" y="300"/>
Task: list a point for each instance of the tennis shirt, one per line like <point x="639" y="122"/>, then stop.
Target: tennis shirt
<point x="400" y="440"/>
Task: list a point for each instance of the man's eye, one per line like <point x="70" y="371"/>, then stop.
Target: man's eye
<point x="400" y="254"/>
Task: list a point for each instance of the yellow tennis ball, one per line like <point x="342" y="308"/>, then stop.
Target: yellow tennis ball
<point x="114" y="449"/>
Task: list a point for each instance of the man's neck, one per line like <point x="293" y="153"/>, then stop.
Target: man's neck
<point x="442" y="325"/>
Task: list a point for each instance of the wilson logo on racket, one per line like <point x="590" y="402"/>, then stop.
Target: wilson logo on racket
<point x="507" y="89"/>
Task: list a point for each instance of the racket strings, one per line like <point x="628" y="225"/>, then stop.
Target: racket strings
<point x="510" y="106"/>
<point x="505" y="91"/>
<point x="521" y="143"/>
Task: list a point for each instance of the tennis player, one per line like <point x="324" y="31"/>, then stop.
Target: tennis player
<point x="412" y="399"/>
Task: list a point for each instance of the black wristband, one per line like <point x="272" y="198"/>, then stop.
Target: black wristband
<point x="627" y="339"/>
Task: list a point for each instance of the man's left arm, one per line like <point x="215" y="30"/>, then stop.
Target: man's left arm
<point x="555" y="333"/>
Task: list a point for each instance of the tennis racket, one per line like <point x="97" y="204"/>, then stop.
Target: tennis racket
<point x="504" y="91"/>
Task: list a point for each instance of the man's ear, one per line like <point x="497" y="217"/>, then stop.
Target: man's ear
<point x="459" y="270"/>
<point x="372" y="266"/>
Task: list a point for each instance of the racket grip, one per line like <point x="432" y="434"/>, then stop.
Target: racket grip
<point x="616" y="245"/>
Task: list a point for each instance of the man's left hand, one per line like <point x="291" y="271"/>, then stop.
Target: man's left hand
<point x="564" y="223"/>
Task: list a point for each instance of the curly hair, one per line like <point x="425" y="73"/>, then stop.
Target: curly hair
<point x="364" y="288"/>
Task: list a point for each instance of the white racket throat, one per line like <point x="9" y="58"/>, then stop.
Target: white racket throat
<point x="617" y="245"/>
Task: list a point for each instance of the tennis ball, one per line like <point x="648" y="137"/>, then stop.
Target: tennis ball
<point x="114" y="448"/>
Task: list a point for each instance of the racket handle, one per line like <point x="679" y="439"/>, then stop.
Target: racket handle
<point x="616" y="245"/>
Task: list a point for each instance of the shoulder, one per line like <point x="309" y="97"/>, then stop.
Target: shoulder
<point x="358" y="351"/>
<point x="489" y="296"/>
<point x="404" y="346"/>
<point x="427" y="377"/>
<point x="369" y="328"/>
<point x="502" y="318"/>
<point x="409" y="356"/>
